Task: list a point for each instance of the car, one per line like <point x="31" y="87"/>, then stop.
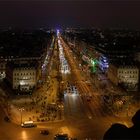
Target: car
<point x="44" y="132"/>
<point x="28" y="124"/>
<point x="88" y="99"/>
<point x="61" y="136"/>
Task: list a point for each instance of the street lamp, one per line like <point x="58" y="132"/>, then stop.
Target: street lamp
<point x="21" y="109"/>
<point x="60" y="108"/>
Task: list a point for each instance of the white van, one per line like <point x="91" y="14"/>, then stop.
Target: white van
<point x="27" y="124"/>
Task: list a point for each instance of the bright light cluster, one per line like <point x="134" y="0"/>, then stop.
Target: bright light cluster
<point x="58" y="32"/>
<point x="103" y="63"/>
<point x="64" y="64"/>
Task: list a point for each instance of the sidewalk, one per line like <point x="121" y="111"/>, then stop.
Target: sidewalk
<point x="128" y="112"/>
<point x="40" y="107"/>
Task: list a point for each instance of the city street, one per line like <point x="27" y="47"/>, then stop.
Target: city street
<point x="82" y="114"/>
<point x="70" y="70"/>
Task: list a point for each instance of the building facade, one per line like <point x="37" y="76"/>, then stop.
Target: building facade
<point x="128" y="76"/>
<point x="22" y="77"/>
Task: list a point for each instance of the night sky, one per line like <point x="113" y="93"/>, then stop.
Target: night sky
<point x="68" y="13"/>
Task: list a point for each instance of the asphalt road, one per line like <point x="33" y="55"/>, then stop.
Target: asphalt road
<point x="83" y="119"/>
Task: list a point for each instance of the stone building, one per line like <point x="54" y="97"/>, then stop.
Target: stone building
<point x="128" y="76"/>
<point x="22" y="77"/>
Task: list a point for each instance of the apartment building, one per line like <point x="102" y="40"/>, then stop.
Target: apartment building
<point x="128" y="76"/>
<point x="22" y="77"/>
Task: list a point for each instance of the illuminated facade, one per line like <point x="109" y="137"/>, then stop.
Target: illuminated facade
<point x="63" y="62"/>
<point x="128" y="76"/>
<point x="21" y="77"/>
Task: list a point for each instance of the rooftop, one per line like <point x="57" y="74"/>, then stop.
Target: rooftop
<point x="23" y="44"/>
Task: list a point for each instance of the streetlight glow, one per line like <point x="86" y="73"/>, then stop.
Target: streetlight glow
<point x="21" y="109"/>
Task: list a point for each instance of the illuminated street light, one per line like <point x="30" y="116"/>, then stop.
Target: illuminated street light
<point x="21" y="109"/>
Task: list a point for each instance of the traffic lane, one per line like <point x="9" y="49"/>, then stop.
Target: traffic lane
<point x="79" y="123"/>
<point x="93" y="101"/>
<point x="76" y="70"/>
<point x="74" y="105"/>
<point x="76" y="115"/>
<point x="84" y="88"/>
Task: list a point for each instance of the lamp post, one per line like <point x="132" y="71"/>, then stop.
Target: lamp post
<point x="21" y="109"/>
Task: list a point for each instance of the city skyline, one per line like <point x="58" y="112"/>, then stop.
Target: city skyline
<point x="56" y="13"/>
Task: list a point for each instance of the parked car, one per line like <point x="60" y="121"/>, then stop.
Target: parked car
<point x="61" y="136"/>
<point x="44" y="132"/>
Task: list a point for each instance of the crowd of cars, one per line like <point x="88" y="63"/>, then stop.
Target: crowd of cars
<point x="71" y="89"/>
<point x="59" y="136"/>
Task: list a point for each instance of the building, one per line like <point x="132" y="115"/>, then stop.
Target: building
<point x="23" y="45"/>
<point x="2" y="69"/>
<point x="127" y="76"/>
<point x="22" y="76"/>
